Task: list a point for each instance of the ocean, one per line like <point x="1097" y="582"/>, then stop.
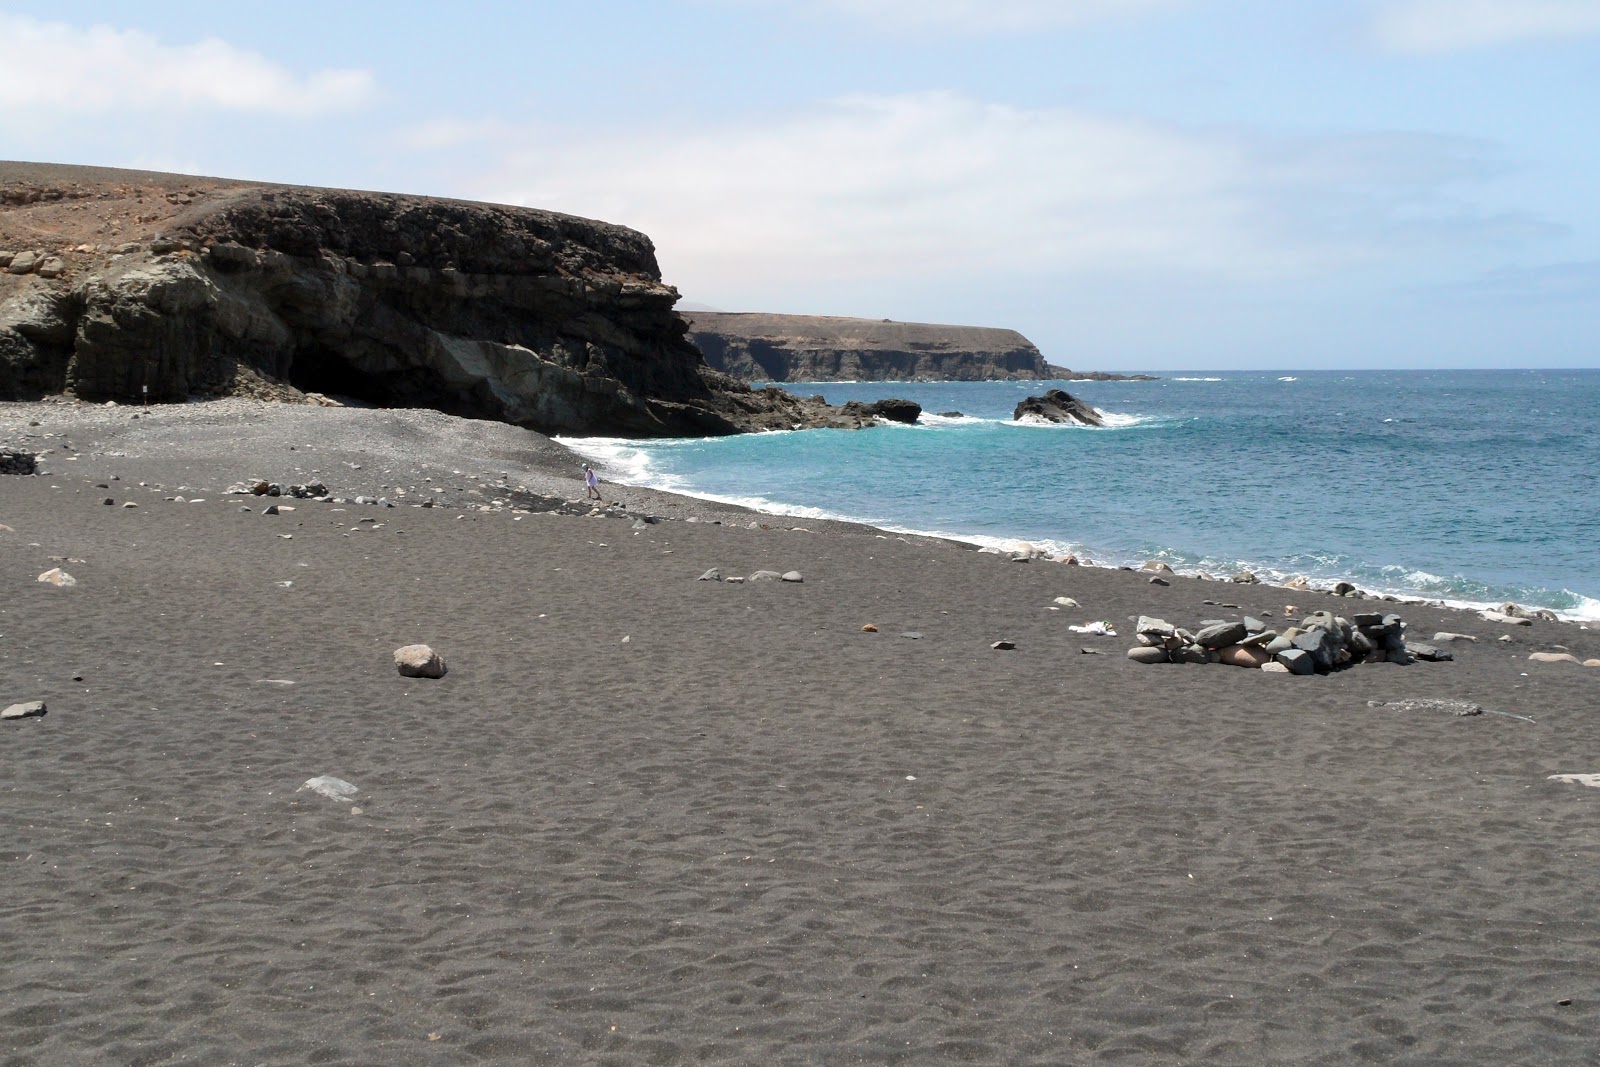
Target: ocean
<point x="1470" y="487"/>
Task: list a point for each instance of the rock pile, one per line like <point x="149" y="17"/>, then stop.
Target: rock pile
<point x="15" y="461"/>
<point x="262" y="487"/>
<point x="1317" y="644"/>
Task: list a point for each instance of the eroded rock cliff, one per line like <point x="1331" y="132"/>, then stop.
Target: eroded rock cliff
<point x="116" y="285"/>
<point x="800" y="348"/>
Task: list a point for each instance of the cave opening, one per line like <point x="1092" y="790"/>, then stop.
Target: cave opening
<point x="327" y="370"/>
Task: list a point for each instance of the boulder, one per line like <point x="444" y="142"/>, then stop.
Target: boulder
<point x="1553" y="657"/>
<point x="1244" y="656"/>
<point x="1148" y="655"/>
<point x="1221" y="635"/>
<point x="1058" y="405"/>
<point x="1298" y="661"/>
<point x="419" y="661"/>
<point x="1154" y="626"/>
<point x="32" y="709"/>
<point x="792" y="576"/>
<point x="1321" y="645"/>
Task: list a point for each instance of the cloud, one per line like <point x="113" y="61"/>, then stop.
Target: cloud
<point x="57" y="69"/>
<point x="938" y="186"/>
<point x="1423" y="26"/>
<point x="979" y="16"/>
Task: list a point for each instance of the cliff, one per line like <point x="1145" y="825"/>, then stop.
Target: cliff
<point x="800" y="348"/>
<point x="116" y="285"/>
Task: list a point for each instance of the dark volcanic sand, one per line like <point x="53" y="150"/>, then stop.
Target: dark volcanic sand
<point x="748" y="833"/>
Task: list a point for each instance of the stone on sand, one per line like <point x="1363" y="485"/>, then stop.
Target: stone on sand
<point x="1244" y="656"/>
<point x="31" y="709"/>
<point x="1553" y="657"/>
<point x="1146" y="654"/>
<point x="419" y="661"/>
<point x="57" y="577"/>
<point x="712" y="575"/>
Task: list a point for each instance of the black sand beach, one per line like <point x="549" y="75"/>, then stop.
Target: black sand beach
<point x="646" y="819"/>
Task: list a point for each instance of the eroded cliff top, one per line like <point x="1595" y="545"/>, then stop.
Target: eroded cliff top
<point x="839" y="331"/>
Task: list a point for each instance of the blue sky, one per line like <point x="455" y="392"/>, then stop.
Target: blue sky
<point x="1150" y="184"/>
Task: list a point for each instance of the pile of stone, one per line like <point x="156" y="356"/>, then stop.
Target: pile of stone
<point x="1317" y="644"/>
<point x="15" y="461"/>
<point x="261" y="487"/>
<point x="32" y="262"/>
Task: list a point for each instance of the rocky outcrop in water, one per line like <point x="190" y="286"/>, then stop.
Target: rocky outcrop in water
<point x="121" y="285"/>
<point x="1058" y="405"/>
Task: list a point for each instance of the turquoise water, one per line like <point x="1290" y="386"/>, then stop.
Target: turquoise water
<point x="1472" y="487"/>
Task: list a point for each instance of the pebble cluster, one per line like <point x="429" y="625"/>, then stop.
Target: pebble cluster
<point x="1317" y="644"/>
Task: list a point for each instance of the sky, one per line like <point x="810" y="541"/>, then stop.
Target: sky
<point x="1133" y="184"/>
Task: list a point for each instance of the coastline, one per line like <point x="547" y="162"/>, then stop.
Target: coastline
<point x="647" y="818"/>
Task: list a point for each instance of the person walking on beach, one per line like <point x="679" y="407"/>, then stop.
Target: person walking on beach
<point x="592" y="481"/>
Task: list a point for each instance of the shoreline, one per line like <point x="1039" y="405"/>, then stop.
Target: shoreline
<point x="896" y="811"/>
<point x="1054" y="550"/>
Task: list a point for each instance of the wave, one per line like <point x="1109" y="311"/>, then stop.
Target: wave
<point x="1194" y="379"/>
<point x="1289" y="378"/>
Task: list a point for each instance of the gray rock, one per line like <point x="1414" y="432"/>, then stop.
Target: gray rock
<point x="1246" y="578"/>
<point x="766" y="576"/>
<point x="333" y="788"/>
<point x="1149" y="625"/>
<point x="1253" y="625"/>
<point x="1221" y="635"/>
<point x="1367" y="618"/>
<point x="32" y="709"/>
<point x="1265" y="637"/>
<point x="22" y="263"/>
<point x="1430" y="653"/>
<point x="793" y="576"/>
<point x="1321" y="645"/>
<point x="1003" y="646"/>
<point x="1159" y="581"/>
<point x="1190" y="654"/>
<point x="1298" y="661"/>
<point x="1447" y="637"/>
<point x="712" y="575"/>
<point x="419" y="661"/>
<point x="1149" y="655"/>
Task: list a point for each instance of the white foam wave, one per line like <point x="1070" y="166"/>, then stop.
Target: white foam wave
<point x="1195" y="379"/>
<point x="1289" y="379"/>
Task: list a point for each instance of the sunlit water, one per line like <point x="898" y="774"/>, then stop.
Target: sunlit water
<point x="1472" y="487"/>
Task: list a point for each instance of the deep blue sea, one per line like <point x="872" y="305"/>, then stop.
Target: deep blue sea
<point x="1473" y="487"/>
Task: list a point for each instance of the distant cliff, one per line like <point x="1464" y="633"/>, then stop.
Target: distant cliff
<point x="801" y="348"/>
<point x="115" y="285"/>
<point x="823" y="348"/>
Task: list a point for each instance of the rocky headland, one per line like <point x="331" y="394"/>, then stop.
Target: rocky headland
<point x="130" y="286"/>
<point x="813" y="348"/>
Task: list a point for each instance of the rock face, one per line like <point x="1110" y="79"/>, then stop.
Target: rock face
<point x="1058" y="405"/>
<point x="813" y="348"/>
<point x="166" y="286"/>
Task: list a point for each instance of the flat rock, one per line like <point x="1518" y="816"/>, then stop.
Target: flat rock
<point x="766" y="576"/>
<point x="419" y="661"/>
<point x="1590" y="780"/>
<point x="1447" y="637"/>
<point x="327" y="785"/>
<point x="1275" y="668"/>
<point x="1150" y="625"/>
<point x="1504" y="619"/>
<point x="1003" y="646"/>
<point x="1553" y="657"/>
<point x="712" y="575"/>
<point x="57" y="577"/>
<point x="1221" y="635"/>
<point x="792" y="576"/>
<point x="1453" y="707"/>
<point x="1145" y="654"/>
<point x="1066" y="602"/>
<point x="32" y="709"/>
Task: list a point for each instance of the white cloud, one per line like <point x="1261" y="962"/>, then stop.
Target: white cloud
<point x="54" y="68"/>
<point x="980" y="16"/>
<point x="1454" y="25"/>
<point x="939" y="186"/>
